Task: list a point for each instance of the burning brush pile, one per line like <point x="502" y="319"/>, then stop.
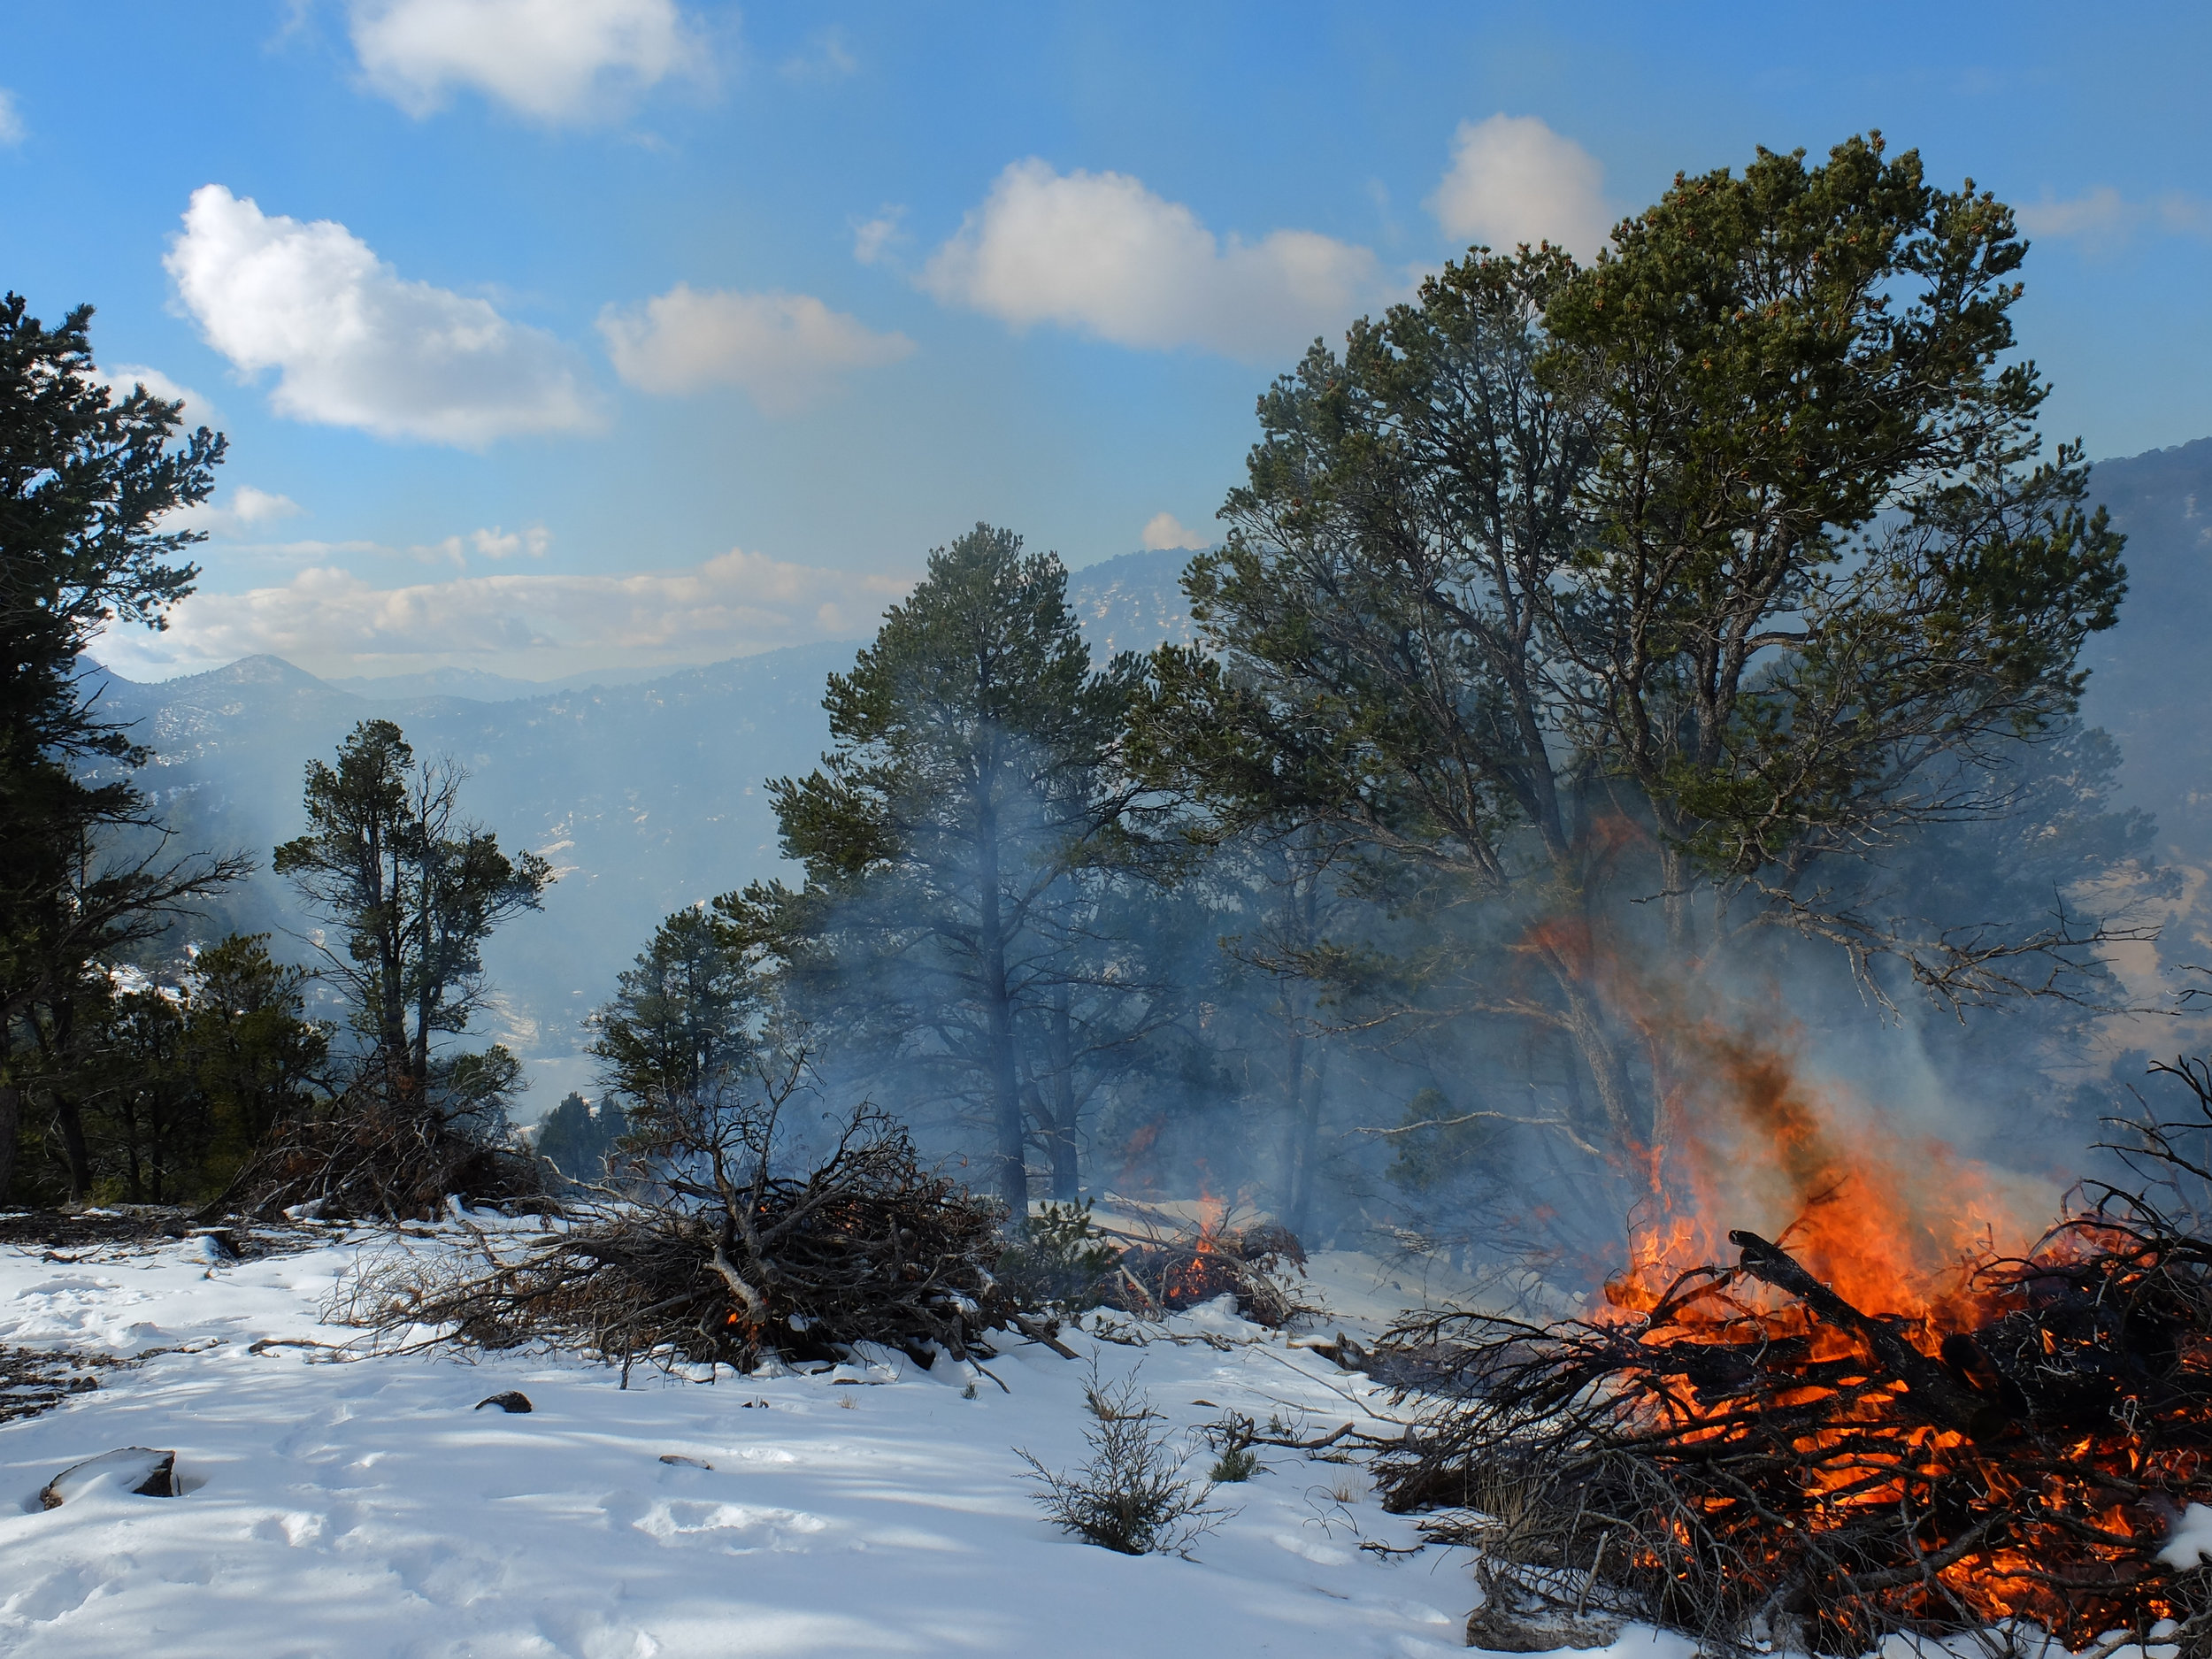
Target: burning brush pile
<point x="1814" y="1446"/>
<point x="1168" y="1268"/>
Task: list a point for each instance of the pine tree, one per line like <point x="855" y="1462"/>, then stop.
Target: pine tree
<point x="974" y="775"/>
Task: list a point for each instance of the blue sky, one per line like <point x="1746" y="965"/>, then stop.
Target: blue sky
<point x="557" y="334"/>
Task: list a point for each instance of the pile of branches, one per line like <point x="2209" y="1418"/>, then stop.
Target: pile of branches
<point x="1756" y="1461"/>
<point x="33" y="1379"/>
<point x="723" y="1254"/>
<point x="1165" y="1272"/>
<point x="368" y="1156"/>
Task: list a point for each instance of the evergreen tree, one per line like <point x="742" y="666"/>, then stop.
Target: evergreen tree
<point x="85" y="478"/>
<point x="974" y="775"/>
<point x="680" y="1028"/>
<point x="415" y="889"/>
<point x="1698" y="575"/>
<point x="578" y="1139"/>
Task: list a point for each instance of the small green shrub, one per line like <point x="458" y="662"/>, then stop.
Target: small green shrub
<point x="1235" y="1463"/>
<point x="1062" y="1261"/>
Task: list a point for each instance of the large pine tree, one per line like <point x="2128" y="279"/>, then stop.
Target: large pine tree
<point x="972" y="775"/>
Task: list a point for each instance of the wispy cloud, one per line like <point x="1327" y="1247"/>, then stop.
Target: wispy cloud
<point x="12" y="131"/>
<point x="1099" y="253"/>
<point x="828" y="57"/>
<point x="243" y="513"/>
<point x="874" y="239"/>
<point x="2104" y="219"/>
<point x="331" y="620"/>
<point x="355" y="343"/>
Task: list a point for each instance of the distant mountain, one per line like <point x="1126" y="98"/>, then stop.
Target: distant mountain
<point x="2150" y="681"/>
<point x="1133" y="603"/>
<point x="481" y="686"/>
<point x="646" y="797"/>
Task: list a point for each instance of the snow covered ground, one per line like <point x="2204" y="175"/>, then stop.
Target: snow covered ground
<point x="364" y="1508"/>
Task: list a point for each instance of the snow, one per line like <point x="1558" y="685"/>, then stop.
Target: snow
<point x="2190" y="1542"/>
<point x="365" y="1508"/>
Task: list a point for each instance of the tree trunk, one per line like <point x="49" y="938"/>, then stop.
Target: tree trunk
<point x="11" y="1121"/>
<point x="998" y="1021"/>
<point x="1293" y="1091"/>
<point x="1066" y="1175"/>
<point x="1308" y="1132"/>
<point x="74" y="1149"/>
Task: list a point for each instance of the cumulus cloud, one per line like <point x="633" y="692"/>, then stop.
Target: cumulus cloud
<point x="2104" y="218"/>
<point x="1512" y="180"/>
<point x="1164" y="530"/>
<point x="332" y="621"/>
<point x="356" y="344"/>
<point x="245" y="512"/>
<point x="1099" y="252"/>
<point x="552" y="61"/>
<point x="786" y="349"/>
<point x="12" y="131"/>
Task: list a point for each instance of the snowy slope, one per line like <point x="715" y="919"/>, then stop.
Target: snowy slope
<point x="364" y="1509"/>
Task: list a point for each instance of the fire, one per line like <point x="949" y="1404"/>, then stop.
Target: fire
<point x="1890" y="1222"/>
<point x="1211" y="1270"/>
<point x="1897" y="1351"/>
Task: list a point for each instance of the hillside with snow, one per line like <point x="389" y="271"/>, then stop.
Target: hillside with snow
<point x="346" y="1506"/>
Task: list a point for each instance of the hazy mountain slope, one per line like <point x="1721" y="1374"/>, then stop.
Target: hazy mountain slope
<point x="648" y="797"/>
<point x="2150" y="682"/>
<point x="645" y="796"/>
<point x="484" y="686"/>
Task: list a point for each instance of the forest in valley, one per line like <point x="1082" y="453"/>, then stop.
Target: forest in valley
<point x="1621" y="692"/>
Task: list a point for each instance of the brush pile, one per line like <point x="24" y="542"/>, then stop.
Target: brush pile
<point x="725" y="1265"/>
<point x="1754" y="1459"/>
<point x="1167" y="1271"/>
<point x="366" y="1157"/>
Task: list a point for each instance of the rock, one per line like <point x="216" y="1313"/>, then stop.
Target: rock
<point x="682" y="1461"/>
<point x="143" y="1472"/>
<point x="509" y="1401"/>
<point x="1497" y="1627"/>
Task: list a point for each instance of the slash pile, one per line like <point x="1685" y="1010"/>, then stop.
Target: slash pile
<point x="1751" y="1458"/>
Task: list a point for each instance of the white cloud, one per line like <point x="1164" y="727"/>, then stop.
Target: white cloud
<point x="2104" y="219"/>
<point x="119" y="378"/>
<point x="786" y="349"/>
<point x="246" y="510"/>
<point x="355" y="343"/>
<point x="1165" y="530"/>
<point x="332" y="621"/>
<point x="553" y="60"/>
<point x="1513" y="179"/>
<point x="874" y="238"/>
<point x="494" y="543"/>
<point x="1099" y="252"/>
<point x="12" y="131"/>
